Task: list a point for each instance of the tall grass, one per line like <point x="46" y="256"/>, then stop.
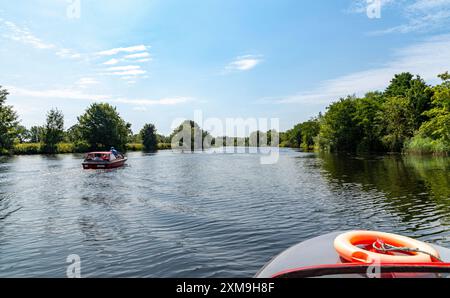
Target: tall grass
<point x="421" y="145"/>
<point x="135" y="147"/>
<point x="27" y="149"/>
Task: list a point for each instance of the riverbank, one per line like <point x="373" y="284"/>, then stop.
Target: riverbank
<point x="65" y="148"/>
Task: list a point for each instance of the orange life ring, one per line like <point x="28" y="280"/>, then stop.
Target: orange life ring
<point x="346" y="246"/>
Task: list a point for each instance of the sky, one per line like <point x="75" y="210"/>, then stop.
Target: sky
<point x="161" y="60"/>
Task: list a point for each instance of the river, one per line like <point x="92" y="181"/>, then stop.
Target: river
<point x="206" y="215"/>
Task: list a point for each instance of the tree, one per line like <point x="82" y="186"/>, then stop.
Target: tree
<point x="398" y="120"/>
<point x="400" y="85"/>
<point x="438" y="125"/>
<point x="149" y="137"/>
<point x="54" y="131"/>
<point x="102" y="127"/>
<point x="420" y="97"/>
<point x="36" y="134"/>
<point x="8" y="123"/>
<point x="199" y="139"/>
<point x="309" y="131"/>
<point x="338" y="129"/>
<point x="23" y="134"/>
<point x="366" y="118"/>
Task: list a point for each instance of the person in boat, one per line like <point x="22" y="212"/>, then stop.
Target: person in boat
<point x="114" y="151"/>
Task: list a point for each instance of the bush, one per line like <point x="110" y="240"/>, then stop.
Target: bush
<point x="65" y="148"/>
<point x="27" y="148"/>
<point x="164" y="146"/>
<point x="80" y="147"/>
<point x="135" y="147"/>
<point x="424" y="145"/>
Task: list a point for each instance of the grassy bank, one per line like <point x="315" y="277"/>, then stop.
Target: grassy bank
<point x="427" y="146"/>
<point x="64" y="148"/>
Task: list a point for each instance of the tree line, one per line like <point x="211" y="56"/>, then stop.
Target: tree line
<point x="99" y="128"/>
<point x="408" y="116"/>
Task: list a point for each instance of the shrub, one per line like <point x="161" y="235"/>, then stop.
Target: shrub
<point x="424" y="145"/>
<point x="135" y="147"/>
<point x="27" y="148"/>
<point x="65" y="148"/>
<point x="164" y="146"/>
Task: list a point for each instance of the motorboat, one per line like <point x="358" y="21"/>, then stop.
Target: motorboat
<point x="103" y="160"/>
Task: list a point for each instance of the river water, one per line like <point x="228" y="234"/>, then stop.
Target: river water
<point x="206" y="215"/>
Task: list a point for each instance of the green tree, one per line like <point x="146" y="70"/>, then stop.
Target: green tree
<point x="309" y="131"/>
<point x="400" y="85"/>
<point x="398" y="121"/>
<point x="8" y="123"/>
<point x="36" y="134"/>
<point x="149" y="137"/>
<point x="54" y="131"/>
<point x="366" y="118"/>
<point x="199" y="139"/>
<point x="23" y="134"/>
<point x="338" y="129"/>
<point x="102" y="127"/>
<point x="420" y="97"/>
<point x="438" y="125"/>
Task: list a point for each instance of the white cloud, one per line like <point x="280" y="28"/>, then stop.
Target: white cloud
<point x="67" y="93"/>
<point x="115" y="51"/>
<point x="169" y="101"/>
<point x="85" y="82"/>
<point x="138" y="55"/>
<point x="244" y="63"/>
<point x="428" y="59"/>
<point x="75" y="94"/>
<point x="121" y="68"/>
<point x="25" y="36"/>
<point x="112" y="61"/>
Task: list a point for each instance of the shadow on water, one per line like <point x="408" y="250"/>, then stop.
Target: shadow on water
<point x="411" y="185"/>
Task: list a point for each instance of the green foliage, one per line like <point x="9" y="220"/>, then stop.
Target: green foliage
<point x="27" y="148"/>
<point x="438" y="125"/>
<point x="135" y="147"/>
<point x="149" y="137"/>
<point x="189" y="136"/>
<point x="54" y="131"/>
<point x="339" y="130"/>
<point x="102" y="127"/>
<point x="36" y="134"/>
<point x="424" y="145"/>
<point x="8" y="123"/>
<point x="398" y="120"/>
<point x="164" y="146"/>
<point x="309" y="131"/>
<point x="22" y="134"/>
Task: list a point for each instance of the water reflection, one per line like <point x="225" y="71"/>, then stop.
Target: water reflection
<point x="413" y="188"/>
<point x="205" y="215"/>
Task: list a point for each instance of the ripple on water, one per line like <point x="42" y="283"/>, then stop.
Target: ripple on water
<point x="204" y="215"/>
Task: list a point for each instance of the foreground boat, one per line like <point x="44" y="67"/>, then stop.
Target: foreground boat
<point x="360" y="254"/>
<point x="103" y="160"/>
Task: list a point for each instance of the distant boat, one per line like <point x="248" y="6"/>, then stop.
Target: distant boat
<point x="359" y="254"/>
<point x="103" y="160"/>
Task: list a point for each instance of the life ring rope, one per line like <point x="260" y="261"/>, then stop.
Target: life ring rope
<point x="384" y="248"/>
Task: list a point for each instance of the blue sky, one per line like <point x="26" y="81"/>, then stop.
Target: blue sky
<point x="158" y="60"/>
